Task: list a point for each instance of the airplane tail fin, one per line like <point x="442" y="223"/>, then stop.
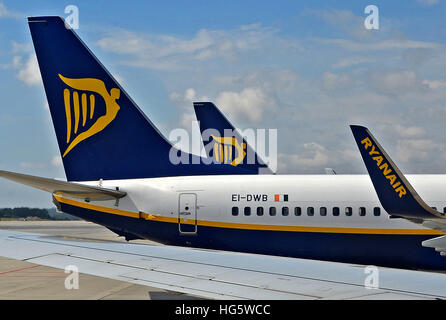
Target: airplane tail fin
<point x="101" y="132"/>
<point x="396" y="194"/>
<point x="226" y="145"/>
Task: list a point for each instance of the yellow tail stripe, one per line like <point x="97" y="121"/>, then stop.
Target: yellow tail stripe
<point x="223" y="160"/>
<point x="216" y="152"/>
<point x="66" y="97"/>
<point x="91" y="105"/>
<point x="84" y="109"/>
<point x="76" y="110"/>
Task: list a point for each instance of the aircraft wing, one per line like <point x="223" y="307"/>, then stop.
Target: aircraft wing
<point x="72" y="189"/>
<point x="396" y="194"/>
<point x="219" y="274"/>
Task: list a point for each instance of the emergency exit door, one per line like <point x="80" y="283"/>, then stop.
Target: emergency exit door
<point x="187" y="213"/>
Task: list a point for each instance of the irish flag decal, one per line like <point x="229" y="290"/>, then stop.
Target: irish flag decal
<point x="280" y="197"/>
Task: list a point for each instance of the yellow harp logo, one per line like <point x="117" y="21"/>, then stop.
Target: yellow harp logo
<point x="87" y="85"/>
<point x="223" y="150"/>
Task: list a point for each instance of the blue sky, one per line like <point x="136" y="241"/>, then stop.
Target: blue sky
<point x="307" y="68"/>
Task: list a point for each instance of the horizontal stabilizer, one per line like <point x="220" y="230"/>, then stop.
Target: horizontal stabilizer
<point x="439" y="244"/>
<point x="64" y="188"/>
<point x="395" y="193"/>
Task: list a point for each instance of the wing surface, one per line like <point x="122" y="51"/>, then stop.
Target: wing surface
<point x="218" y="274"/>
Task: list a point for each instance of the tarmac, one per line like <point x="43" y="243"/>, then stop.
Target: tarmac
<point x="20" y="280"/>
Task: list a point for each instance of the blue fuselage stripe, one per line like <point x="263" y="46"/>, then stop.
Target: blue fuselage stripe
<point x="401" y="251"/>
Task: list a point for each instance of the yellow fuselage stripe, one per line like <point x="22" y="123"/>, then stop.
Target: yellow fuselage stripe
<point x="232" y="225"/>
<point x="97" y="208"/>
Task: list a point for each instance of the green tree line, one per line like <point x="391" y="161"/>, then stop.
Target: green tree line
<point x="24" y="212"/>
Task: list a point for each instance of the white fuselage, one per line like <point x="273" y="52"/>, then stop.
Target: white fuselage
<point x="216" y="195"/>
<point x="324" y="217"/>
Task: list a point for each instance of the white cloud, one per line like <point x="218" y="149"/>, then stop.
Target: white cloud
<point x="332" y="81"/>
<point x="395" y="82"/>
<point x="248" y="103"/>
<point x="313" y="156"/>
<point x="5" y="13"/>
<point x="155" y="45"/>
<point x="31" y="165"/>
<point x="418" y="149"/>
<point x="175" y="96"/>
<point x="388" y="44"/>
<point x="21" y="47"/>
<point x="56" y="161"/>
<point x="343" y="20"/>
<point x="270" y="80"/>
<point x="118" y="78"/>
<point x="352" y="61"/>
<point x="28" y="72"/>
<point x="185" y="101"/>
<point x="189" y="94"/>
<point x="435" y="84"/>
<point x="186" y="121"/>
<point x="17" y="61"/>
<point x="409" y="132"/>
<point x="348" y="155"/>
<point x="168" y="52"/>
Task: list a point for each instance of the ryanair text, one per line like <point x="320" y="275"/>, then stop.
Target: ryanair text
<point x="385" y="168"/>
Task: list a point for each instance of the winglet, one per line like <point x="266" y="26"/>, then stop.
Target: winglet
<point x="395" y="193"/>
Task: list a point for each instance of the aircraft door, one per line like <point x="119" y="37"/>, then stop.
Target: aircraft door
<point x="187" y="213"/>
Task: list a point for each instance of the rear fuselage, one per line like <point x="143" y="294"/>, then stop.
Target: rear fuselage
<point x="324" y="217"/>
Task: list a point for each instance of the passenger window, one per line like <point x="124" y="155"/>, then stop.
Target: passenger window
<point x="361" y="211"/>
<point x="235" y="211"/>
<point x="435" y="208"/>
<point x="272" y="211"/>
<point x="323" y="211"/>
<point x="310" y="211"/>
<point x="377" y="211"/>
<point x="444" y="210"/>
<point x="285" y="211"/>
<point x="335" y="211"/>
<point x="298" y="211"/>
<point x="348" y="211"/>
<point x="260" y="211"/>
<point x="247" y="211"/>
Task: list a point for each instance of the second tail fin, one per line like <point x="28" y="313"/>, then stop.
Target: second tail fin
<point x="226" y="145"/>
